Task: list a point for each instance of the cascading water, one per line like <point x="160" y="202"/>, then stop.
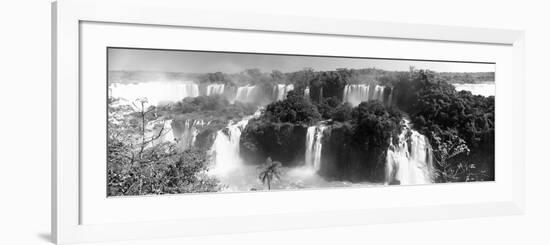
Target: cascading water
<point x="390" y="97"/>
<point x="215" y="89"/>
<point x="228" y="166"/>
<point x="244" y="93"/>
<point x="357" y="93"/>
<point x="185" y="134"/>
<point x="378" y="93"/>
<point x="226" y="148"/>
<point x="409" y="162"/>
<point x="280" y="91"/>
<point x="157" y="92"/>
<point x="314" y="146"/>
<point x="195" y="131"/>
<point x="306" y="93"/>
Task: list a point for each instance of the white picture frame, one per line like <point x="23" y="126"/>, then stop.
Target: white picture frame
<point x="67" y="196"/>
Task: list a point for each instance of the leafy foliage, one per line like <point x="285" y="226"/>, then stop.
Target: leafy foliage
<point x="294" y="109"/>
<point x="327" y="107"/>
<point x="375" y="123"/>
<point x="445" y="149"/>
<point x="354" y="149"/>
<point x="187" y="174"/>
<point x="139" y="163"/>
<point x="342" y="113"/>
<point x="328" y="84"/>
<point x="271" y="171"/>
<point x="441" y="106"/>
<point x="301" y="79"/>
<point x="202" y="103"/>
<point x="216" y="77"/>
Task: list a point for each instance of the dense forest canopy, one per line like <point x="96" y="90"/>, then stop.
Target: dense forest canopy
<point x="294" y="109"/>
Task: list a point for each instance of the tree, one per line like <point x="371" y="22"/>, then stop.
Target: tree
<point x="278" y="76"/>
<point x="254" y="73"/>
<point x="144" y="117"/>
<point x="216" y="77"/>
<point x="271" y="171"/>
<point x="302" y="78"/>
<point x="187" y="174"/>
<point x="342" y="113"/>
<point x="327" y="106"/>
<point x="447" y="146"/>
<point x="375" y="123"/>
<point x="294" y="109"/>
<point x="329" y="84"/>
<point x="134" y="153"/>
<point x="139" y="162"/>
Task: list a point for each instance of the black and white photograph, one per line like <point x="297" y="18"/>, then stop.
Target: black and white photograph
<point x="185" y="121"/>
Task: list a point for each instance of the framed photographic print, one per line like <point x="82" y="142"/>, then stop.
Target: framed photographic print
<point x="206" y="123"/>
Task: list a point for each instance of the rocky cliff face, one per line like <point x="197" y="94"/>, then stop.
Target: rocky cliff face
<point x="206" y="138"/>
<point x="350" y="159"/>
<point x="283" y="142"/>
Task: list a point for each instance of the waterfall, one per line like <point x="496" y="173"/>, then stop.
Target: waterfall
<point x="231" y="93"/>
<point x="215" y="89"/>
<point x="226" y="149"/>
<point x="195" y="131"/>
<point x="185" y="135"/>
<point x="314" y="146"/>
<point x="378" y="93"/>
<point x="156" y="93"/>
<point x="390" y="97"/>
<point x="357" y="93"/>
<point x="244" y="93"/>
<point x="306" y="93"/>
<point x="281" y="90"/>
<point x="411" y="160"/>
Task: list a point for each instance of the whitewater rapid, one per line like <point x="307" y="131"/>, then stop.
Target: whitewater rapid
<point x="314" y="147"/>
<point x="281" y="90"/>
<point x="410" y="162"/>
<point x="216" y="88"/>
<point x="357" y="93"/>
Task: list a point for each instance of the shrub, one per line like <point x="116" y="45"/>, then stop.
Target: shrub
<point x="375" y="123"/>
<point x="138" y="164"/>
<point x="342" y="112"/>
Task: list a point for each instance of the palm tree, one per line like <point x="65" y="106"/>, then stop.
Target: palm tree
<point x="270" y="171"/>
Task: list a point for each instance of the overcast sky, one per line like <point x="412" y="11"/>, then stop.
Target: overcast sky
<point x="202" y="62"/>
